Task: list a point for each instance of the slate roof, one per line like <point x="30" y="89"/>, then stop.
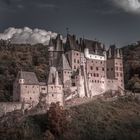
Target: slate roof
<point x="92" y="45"/>
<point x="63" y="63"/>
<point x="29" y="78"/>
<point x="71" y="43"/>
<point x="59" y="44"/>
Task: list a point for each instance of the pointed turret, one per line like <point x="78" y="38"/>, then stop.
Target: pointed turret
<point x="53" y="77"/>
<point x="118" y="53"/>
<point x="51" y="45"/>
<point x="63" y="63"/>
<point x="109" y="53"/>
<point x="59" y="44"/>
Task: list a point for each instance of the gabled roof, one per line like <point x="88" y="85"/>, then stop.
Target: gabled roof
<point x="92" y="45"/>
<point x="29" y="78"/>
<point x="53" y="76"/>
<point x="63" y="63"/>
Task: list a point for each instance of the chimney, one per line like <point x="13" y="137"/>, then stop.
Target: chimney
<point x="96" y="48"/>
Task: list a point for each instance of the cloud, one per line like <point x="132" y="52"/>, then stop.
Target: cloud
<point x="132" y="6"/>
<point x="20" y="4"/>
<point x="47" y="5"/>
<point x="27" y="35"/>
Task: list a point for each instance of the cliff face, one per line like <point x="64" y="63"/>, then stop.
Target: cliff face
<point x="131" y="65"/>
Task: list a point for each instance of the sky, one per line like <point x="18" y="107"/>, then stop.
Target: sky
<point x="109" y="21"/>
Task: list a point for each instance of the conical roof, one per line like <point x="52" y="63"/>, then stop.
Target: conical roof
<point x="52" y="76"/>
<point x="63" y="63"/>
<point x="59" y="44"/>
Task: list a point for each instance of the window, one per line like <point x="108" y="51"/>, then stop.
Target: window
<point x="117" y="74"/>
<point x="77" y="54"/>
<point x="112" y="69"/>
<point x="91" y="68"/>
<point x="43" y="88"/>
<point x="78" y="61"/>
<point x="97" y="75"/>
<point x="74" y="60"/>
<point x="74" y="67"/>
<point x="73" y="84"/>
<point x="121" y="68"/>
<point x="97" y="68"/>
<point x="103" y="69"/>
<point x="101" y="62"/>
<point x="116" y="68"/>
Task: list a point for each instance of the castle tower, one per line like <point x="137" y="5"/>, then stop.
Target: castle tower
<point x="115" y="66"/>
<point x="72" y="49"/>
<point x="54" y="87"/>
<point x="59" y="49"/>
<point x="65" y="71"/>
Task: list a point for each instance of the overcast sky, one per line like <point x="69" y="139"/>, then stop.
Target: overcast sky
<point x="110" y="21"/>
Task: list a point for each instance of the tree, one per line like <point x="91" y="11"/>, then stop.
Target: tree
<point x="57" y="119"/>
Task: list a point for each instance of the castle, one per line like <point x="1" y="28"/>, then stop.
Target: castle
<point x="77" y="69"/>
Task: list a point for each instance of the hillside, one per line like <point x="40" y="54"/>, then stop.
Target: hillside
<point x="131" y="65"/>
<point x="14" y="58"/>
<point x="98" y="120"/>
